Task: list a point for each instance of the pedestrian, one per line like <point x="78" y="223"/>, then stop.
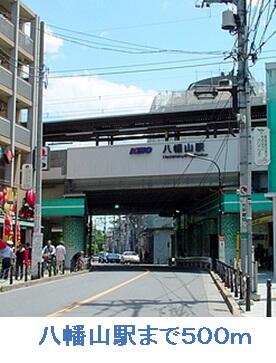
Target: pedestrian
<point x="80" y="262"/>
<point x="48" y="251"/>
<point x="77" y="262"/>
<point x="27" y="256"/>
<point x="7" y="255"/>
<point x="60" y="256"/>
<point x="49" y="255"/>
<point x="19" y="254"/>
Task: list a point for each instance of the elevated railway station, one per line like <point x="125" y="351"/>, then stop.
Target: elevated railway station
<point x="142" y="163"/>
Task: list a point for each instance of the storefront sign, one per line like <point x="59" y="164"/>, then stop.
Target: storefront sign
<point x="261" y="146"/>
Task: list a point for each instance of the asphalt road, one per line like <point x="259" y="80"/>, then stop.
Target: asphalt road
<point x="118" y="293"/>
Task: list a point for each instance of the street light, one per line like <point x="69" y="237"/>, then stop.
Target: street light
<point x="195" y="156"/>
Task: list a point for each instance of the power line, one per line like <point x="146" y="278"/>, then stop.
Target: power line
<point x="103" y="38"/>
<point x="269" y="18"/>
<point x="253" y="49"/>
<point x="132" y="65"/>
<point x="144" y="70"/>
<point x="153" y="24"/>
<point x="149" y="69"/>
<point x="129" y="50"/>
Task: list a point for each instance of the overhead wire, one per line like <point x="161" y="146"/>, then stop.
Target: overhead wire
<point x="202" y="140"/>
<point x="130" y="50"/>
<point x="151" y="24"/>
<point x="132" y="44"/>
<point x="253" y="48"/>
<point x="249" y="11"/>
<point x="256" y="25"/>
<point x="269" y="18"/>
<point x="104" y="38"/>
<point x="145" y="70"/>
<point x="150" y="69"/>
<point x="252" y="16"/>
<point x="218" y="153"/>
<point x="132" y="65"/>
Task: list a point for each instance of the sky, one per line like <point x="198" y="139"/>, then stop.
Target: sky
<point x="130" y="50"/>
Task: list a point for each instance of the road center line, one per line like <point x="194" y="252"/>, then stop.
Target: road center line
<point x="95" y="297"/>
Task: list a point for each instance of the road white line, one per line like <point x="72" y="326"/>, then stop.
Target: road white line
<point x="97" y="296"/>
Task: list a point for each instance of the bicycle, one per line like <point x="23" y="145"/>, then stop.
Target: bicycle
<point x="49" y="263"/>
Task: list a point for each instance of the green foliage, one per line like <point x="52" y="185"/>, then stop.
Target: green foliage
<point x="98" y="241"/>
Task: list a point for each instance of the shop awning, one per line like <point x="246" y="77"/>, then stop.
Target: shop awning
<point x="260" y="204"/>
<point x="63" y="207"/>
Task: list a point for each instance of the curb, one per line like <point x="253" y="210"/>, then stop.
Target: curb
<point x="140" y="267"/>
<point x="39" y="281"/>
<point x="227" y="296"/>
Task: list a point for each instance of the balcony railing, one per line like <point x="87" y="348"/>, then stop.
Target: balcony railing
<point x="22" y="134"/>
<point x="26" y="43"/>
<point x="7" y="29"/>
<point x="24" y="89"/>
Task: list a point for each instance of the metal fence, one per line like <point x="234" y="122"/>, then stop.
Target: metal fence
<point x="239" y="284"/>
<point x="23" y="273"/>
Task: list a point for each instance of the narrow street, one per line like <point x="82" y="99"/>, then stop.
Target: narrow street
<point x="118" y="293"/>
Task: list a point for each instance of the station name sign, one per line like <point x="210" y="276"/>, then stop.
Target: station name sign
<point x="172" y="151"/>
<point x="140" y="150"/>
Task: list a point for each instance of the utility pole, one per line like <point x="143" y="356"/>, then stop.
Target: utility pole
<point x="244" y="118"/>
<point x="244" y="107"/>
<point x="37" y="235"/>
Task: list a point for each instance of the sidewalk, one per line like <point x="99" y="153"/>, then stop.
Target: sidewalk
<point x="258" y="308"/>
<point x="6" y="286"/>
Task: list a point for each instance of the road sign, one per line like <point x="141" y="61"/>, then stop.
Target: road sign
<point x="27" y="177"/>
<point x="261" y="146"/>
<point x="45" y="153"/>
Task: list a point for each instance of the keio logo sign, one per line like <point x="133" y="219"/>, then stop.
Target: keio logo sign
<point x="140" y="150"/>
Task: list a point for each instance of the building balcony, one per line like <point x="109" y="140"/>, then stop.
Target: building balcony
<point x="24" y="89"/>
<point x="6" y="30"/>
<point x="25" y="43"/>
<point x="22" y="134"/>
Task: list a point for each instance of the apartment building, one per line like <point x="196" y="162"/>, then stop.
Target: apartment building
<point x="19" y="70"/>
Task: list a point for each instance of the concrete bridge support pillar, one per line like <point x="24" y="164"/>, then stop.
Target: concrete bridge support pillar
<point x="74" y="237"/>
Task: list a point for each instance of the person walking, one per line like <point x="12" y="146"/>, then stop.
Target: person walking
<point x="27" y="257"/>
<point x="60" y="257"/>
<point x="7" y="255"/>
<point x="19" y="254"/>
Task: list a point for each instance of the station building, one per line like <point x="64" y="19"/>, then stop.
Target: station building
<point x="202" y="214"/>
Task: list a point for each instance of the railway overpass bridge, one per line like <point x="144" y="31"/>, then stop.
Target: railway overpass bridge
<point x="155" y="176"/>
